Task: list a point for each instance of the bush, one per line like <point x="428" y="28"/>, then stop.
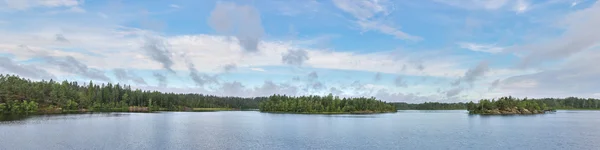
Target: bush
<point x="71" y="105"/>
<point x="2" y="107"/>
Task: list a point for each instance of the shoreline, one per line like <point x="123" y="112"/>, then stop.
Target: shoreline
<point x="274" y="112"/>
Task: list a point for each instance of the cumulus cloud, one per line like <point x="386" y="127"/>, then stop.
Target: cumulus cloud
<point x="61" y="38"/>
<point x="317" y="86"/>
<point x="127" y="75"/>
<point x="397" y="97"/>
<point x="242" y="20"/>
<point x="577" y="77"/>
<point x="237" y="88"/>
<point x="473" y="74"/>
<point x="213" y="52"/>
<point x="420" y="67"/>
<point x="71" y="65"/>
<point x="313" y="76"/>
<point x="162" y="79"/>
<point x="229" y="67"/>
<point x="157" y="50"/>
<point x="233" y="88"/>
<point x="377" y="76"/>
<point x="295" y="78"/>
<point x="399" y="82"/>
<point x="312" y="83"/>
<point x="270" y="88"/>
<point x="29" y="71"/>
<point x="494" y="84"/>
<point x="580" y="33"/>
<point x="295" y="57"/>
<point x="335" y="91"/>
<point x="200" y="78"/>
<point x="454" y="91"/>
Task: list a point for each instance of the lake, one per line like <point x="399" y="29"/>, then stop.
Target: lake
<point x="254" y="130"/>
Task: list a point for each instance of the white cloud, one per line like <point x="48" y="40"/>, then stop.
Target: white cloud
<point x="488" y="48"/>
<point x="577" y="76"/>
<point x="294" y="8"/>
<point x="362" y="10"/>
<point x="476" y="4"/>
<point x="174" y="6"/>
<point x="243" y="21"/>
<point x="387" y="29"/>
<point x="121" y="47"/>
<point x="367" y="13"/>
<point x="258" y="69"/>
<point x="76" y="10"/>
<point x="70" y="10"/>
<point x="27" y="4"/>
<point x="521" y="6"/>
<point x="102" y="15"/>
<point x="580" y="34"/>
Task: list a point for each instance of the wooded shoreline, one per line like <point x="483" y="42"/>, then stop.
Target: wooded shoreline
<point x="21" y="96"/>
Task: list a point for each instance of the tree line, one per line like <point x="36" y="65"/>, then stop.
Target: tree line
<point x="19" y="95"/>
<point x="508" y="105"/>
<point x="554" y="103"/>
<point x="324" y="104"/>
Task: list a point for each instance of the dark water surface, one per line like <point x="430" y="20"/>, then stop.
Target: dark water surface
<point x="255" y="130"/>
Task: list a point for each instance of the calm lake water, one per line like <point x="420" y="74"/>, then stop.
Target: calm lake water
<point x="255" y="130"/>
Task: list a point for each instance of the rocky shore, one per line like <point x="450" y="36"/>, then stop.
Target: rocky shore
<point x="511" y="111"/>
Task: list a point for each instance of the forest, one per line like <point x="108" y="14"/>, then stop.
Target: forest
<point x="324" y="105"/>
<point x="19" y="95"/>
<point x="508" y="105"/>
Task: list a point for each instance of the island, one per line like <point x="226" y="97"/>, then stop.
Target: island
<point x="325" y="105"/>
<point x="508" y="106"/>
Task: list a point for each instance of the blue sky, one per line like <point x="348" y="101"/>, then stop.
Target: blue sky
<point x="395" y="50"/>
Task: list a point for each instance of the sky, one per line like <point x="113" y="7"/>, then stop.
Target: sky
<point x="394" y="50"/>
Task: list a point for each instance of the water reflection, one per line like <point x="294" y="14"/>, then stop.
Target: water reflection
<point x="12" y="117"/>
<point x="255" y="130"/>
<point x="25" y="118"/>
<point x="354" y="116"/>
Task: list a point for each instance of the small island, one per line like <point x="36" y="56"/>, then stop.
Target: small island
<point x="508" y="106"/>
<point x="324" y="105"/>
